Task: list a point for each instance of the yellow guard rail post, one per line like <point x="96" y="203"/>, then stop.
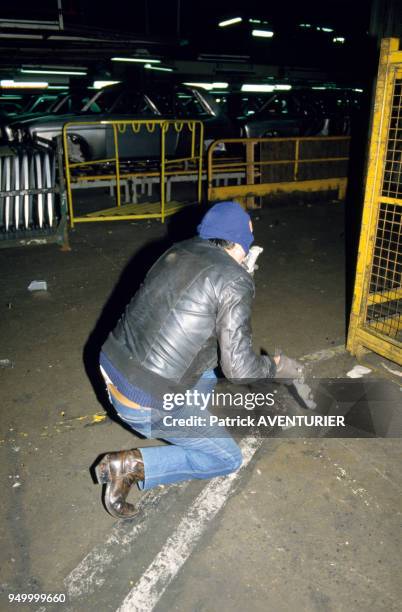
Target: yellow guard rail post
<point x="376" y="318"/>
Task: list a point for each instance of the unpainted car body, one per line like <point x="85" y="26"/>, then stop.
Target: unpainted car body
<point x="122" y="102"/>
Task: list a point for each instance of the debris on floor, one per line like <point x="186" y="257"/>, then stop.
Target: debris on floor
<point x="358" y="371"/>
<point x="37" y="286"/>
<point x="6" y="363"/>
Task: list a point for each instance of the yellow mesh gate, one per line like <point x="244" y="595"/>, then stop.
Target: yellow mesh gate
<point x="376" y="320"/>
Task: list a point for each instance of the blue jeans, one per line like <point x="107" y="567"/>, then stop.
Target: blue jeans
<point x="186" y="457"/>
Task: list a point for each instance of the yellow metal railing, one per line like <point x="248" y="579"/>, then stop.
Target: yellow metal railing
<point x="188" y="165"/>
<point x="376" y="318"/>
<point x="259" y="160"/>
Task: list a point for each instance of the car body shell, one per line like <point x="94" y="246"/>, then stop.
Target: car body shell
<point x="96" y="140"/>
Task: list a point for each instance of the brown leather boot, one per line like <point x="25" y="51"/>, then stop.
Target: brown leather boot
<point x="119" y="471"/>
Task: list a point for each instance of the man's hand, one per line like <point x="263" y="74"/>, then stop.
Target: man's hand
<point x="288" y="368"/>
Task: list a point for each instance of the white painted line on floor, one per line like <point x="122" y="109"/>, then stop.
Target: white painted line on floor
<point x="178" y="547"/>
<point x="93" y="571"/>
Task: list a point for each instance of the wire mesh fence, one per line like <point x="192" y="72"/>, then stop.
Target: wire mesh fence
<point x="376" y="319"/>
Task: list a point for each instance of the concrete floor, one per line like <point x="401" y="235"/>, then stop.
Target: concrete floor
<point x="309" y="524"/>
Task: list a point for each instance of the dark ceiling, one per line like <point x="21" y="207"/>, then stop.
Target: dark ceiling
<point x="180" y="31"/>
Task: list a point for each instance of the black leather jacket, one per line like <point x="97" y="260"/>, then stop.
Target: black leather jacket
<point x="194" y="298"/>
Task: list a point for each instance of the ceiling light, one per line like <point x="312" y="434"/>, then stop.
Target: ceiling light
<point x="10" y="84"/>
<point x="359" y="90"/>
<point x="21" y="36"/>
<point x="305" y="25"/>
<point x="139" y="60"/>
<point x="100" y="84"/>
<point x="58" y="87"/>
<point x="162" y="68"/>
<point x="29" y="24"/>
<point x="53" y="67"/>
<point x="206" y="86"/>
<point x="228" y="22"/>
<point x="257" y="87"/>
<point x="327" y="29"/>
<point x="338" y="39"/>
<point x="70" y="72"/>
<point x="283" y="87"/>
<point x="263" y="33"/>
<point x="209" y="86"/>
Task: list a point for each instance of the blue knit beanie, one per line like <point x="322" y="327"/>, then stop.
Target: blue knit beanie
<point x="228" y="221"/>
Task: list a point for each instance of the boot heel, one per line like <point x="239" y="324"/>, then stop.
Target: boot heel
<point x="102" y="471"/>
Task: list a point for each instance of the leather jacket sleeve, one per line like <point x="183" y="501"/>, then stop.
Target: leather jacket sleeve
<point x="233" y="328"/>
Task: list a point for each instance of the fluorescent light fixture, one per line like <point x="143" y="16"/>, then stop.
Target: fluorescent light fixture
<point x="359" y="90"/>
<point x="338" y="39"/>
<point x="21" y="36"/>
<point x="161" y="68"/>
<point x="283" y="87"/>
<point x="228" y="22"/>
<point x="138" y="60"/>
<point x="305" y="25"/>
<point x="209" y="86"/>
<point x="10" y="84"/>
<point x="254" y="20"/>
<point x="58" y="87"/>
<point x="262" y="33"/>
<point x="223" y="57"/>
<point x="257" y="87"/>
<point x="327" y="29"/>
<point x="100" y="84"/>
<point x="319" y="88"/>
<point x="29" y="24"/>
<point x="53" y="67"/>
<point x="70" y="72"/>
<point x="206" y="86"/>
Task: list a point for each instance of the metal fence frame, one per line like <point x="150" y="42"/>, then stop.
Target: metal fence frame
<point x="380" y="248"/>
<point x="252" y="169"/>
<point x="133" y="211"/>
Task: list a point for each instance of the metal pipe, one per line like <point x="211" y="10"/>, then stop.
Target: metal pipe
<point x="25" y="185"/>
<point x="200" y="154"/>
<point x="162" y="180"/>
<point x="116" y="151"/>
<point x="49" y="196"/>
<point x="68" y="174"/>
<point x="7" y="172"/>
<point x="17" y="187"/>
<point x="38" y="167"/>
